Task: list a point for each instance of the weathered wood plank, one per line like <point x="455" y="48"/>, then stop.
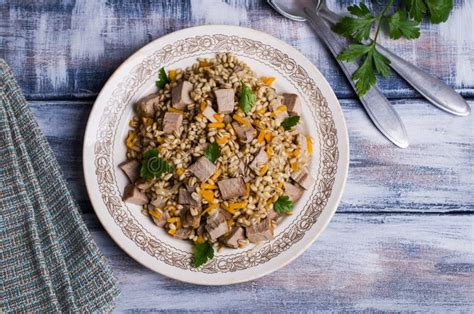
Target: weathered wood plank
<point x="68" y="49"/>
<point x="361" y="262"/>
<point x="434" y="174"/>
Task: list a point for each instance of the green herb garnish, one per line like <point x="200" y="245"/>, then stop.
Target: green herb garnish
<point x="162" y="79"/>
<point x="247" y="98"/>
<point x="202" y="253"/>
<point x="290" y="122"/>
<point x="404" y="22"/>
<point x="212" y="152"/>
<point x="283" y="204"/>
<point x="153" y="166"/>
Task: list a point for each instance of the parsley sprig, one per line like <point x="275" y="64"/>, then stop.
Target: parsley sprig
<point x="162" y="79"/>
<point x="153" y="166"/>
<point x="247" y="98"/>
<point x="202" y="253"/>
<point x="283" y="204"/>
<point x="212" y="152"/>
<point x="404" y="22"/>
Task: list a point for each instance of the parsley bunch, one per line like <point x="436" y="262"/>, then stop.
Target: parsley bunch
<point x="153" y="166"/>
<point x="404" y="22"/>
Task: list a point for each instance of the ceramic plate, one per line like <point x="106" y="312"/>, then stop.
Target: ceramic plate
<point x="107" y="129"/>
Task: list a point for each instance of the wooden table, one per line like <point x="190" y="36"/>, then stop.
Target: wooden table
<point x="402" y="238"/>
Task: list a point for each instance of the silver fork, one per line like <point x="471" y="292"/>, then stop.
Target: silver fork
<point x="379" y="109"/>
<point x="433" y="89"/>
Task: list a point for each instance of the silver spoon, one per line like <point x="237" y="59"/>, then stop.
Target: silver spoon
<point x="379" y="109"/>
<point x="433" y="89"/>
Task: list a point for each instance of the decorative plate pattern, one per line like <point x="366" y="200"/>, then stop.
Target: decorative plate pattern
<point x="193" y="46"/>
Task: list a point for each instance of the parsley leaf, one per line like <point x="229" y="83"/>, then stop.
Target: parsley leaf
<point x="247" y="98"/>
<point x="416" y="9"/>
<point x="162" y="79"/>
<point x="381" y="63"/>
<point x="353" y="52"/>
<point x="290" y="122"/>
<point x="202" y="253"/>
<point x="212" y="152"/>
<point x="439" y="10"/>
<point x="283" y="204"/>
<point x="399" y="25"/>
<point x="357" y="28"/>
<point x="153" y="166"/>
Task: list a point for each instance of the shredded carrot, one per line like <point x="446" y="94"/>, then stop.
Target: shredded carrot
<point x="200" y="239"/>
<point x="238" y="205"/>
<point x="219" y="117"/>
<point x="230" y="223"/>
<point x="232" y="211"/>
<point x="204" y="64"/>
<point x="280" y="185"/>
<point x="180" y="171"/>
<point x="208" y="195"/>
<point x="309" y="144"/>
<point x="294" y="153"/>
<point x="171" y="208"/>
<point x="209" y="208"/>
<point x="294" y="166"/>
<point x="241" y="120"/>
<point x="171" y="109"/>
<point x="178" y="224"/>
<point x="261" y="136"/>
<point x="268" y="136"/>
<point x="261" y="110"/>
<point x="216" y="174"/>
<point x="202" y="106"/>
<point x="247" y="186"/>
<point x="217" y="125"/>
<point x="263" y="170"/>
<point x="147" y="121"/>
<point x="172" y="75"/>
<point x="207" y="186"/>
<point x="281" y="109"/>
<point x="268" y="80"/>
<point x="222" y="140"/>
<point x="256" y="122"/>
<point x="171" y="231"/>
<point x="269" y="151"/>
<point x="173" y="219"/>
<point x="154" y="214"/>
<point x="200" y="116"/>
<point x="130" y="139"/>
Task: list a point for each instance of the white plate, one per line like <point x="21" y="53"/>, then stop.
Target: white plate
<point x="104" y="149"/>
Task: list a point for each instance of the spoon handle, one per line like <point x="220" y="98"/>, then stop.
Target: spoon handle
<point x="432" y="88"/>
<point x="379" y="109"/>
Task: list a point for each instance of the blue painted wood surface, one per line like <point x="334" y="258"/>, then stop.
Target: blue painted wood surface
<point x="402" y="238"/>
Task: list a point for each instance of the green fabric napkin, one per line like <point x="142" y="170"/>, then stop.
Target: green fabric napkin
<point x="49" y="261"/>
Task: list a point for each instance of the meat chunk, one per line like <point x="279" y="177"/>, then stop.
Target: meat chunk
<point x="259" y="161"/>
<point x="292" y="103"/>
<point x="131" y="169"/>
<point x="190" y="220"/>
<point x="133" y="195"/>
<point x="231" y="188"/>
<point x="225" y="100"/>
<point x="209" y="114"/>
<point x="185" y="198"/>
<point x="260" y="232"/>
<point x="232" y="239"/>
<point x="172" y="122"/>
<point x="160" y="217"/>
<point x="143" y="184"/>
<point x="272" y="214"/>
<point x="245" y="133"/>
<point x="184" y="233"/>
<point x="203" y="168"/>
<point x="180" y="95"/>
<point x="146" y="107"/>
<point x="293" y="191"/>
<point x="216" y="225"/>
<point x="303" y="178"/>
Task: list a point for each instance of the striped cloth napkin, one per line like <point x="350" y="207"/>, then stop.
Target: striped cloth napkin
<point x="49" y="262"/>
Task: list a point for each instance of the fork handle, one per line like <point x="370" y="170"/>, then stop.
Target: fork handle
<point x="430" y="87"/>
<point x="379" y="109"/>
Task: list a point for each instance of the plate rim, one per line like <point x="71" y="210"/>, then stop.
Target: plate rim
<point x="343" y="144"/>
